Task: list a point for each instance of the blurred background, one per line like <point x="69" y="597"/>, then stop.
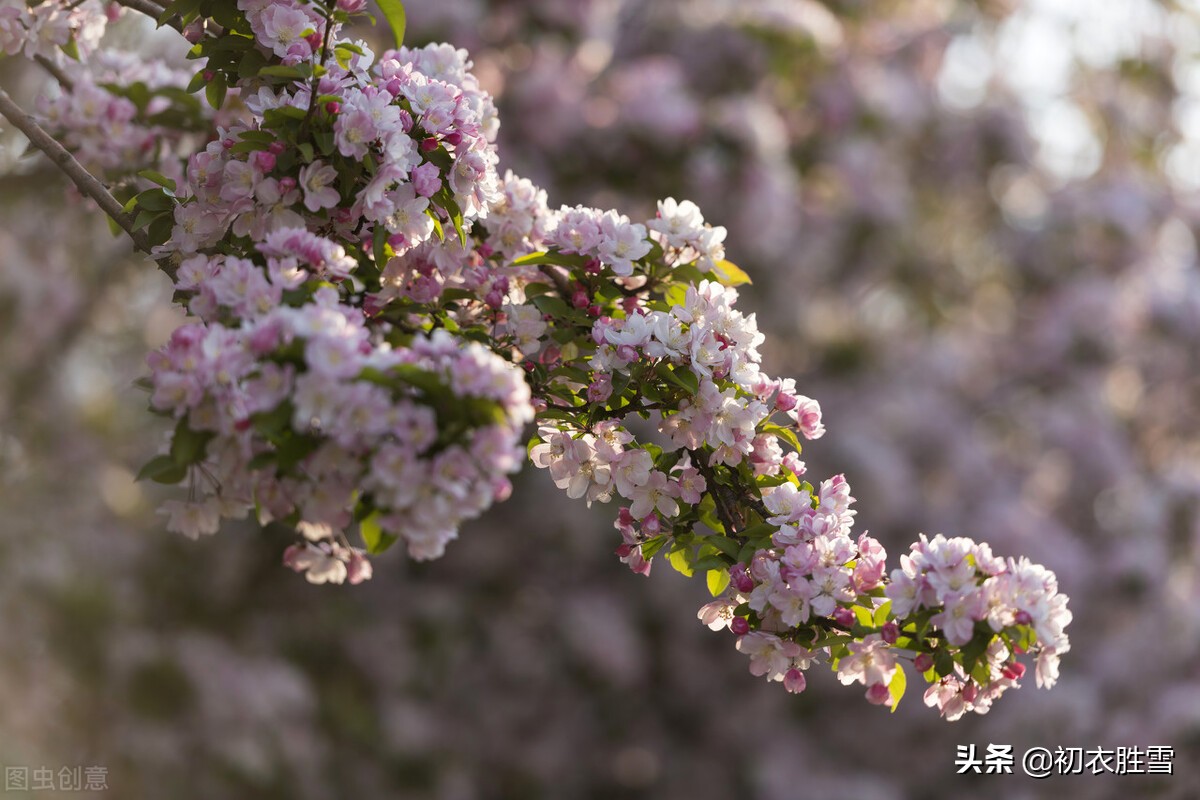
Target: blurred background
<point x="972" y="232"/>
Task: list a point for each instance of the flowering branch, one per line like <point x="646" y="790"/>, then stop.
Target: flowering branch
<point x="369" y="290"/>
<point x="62" y="158"/>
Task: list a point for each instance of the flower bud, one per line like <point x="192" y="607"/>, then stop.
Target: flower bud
<point x="878" y="694"/>
<point x="741" y="579"/>
<point x="923" y="662"/>
<point x="794" y="681"/>
<point x="1014" y="670"/>
<point x="843" y="616"/>
<point x="333" y="108"/>
<point x="890" y="632"/>
<point x="740" y="626"/>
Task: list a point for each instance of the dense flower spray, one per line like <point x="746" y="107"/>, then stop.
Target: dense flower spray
<point x="381" y="314"/>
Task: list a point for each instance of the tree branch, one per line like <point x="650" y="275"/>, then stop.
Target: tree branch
<point x="65" y="82"/>
<point x="84" y="180"/>
<point x="151" y="10"/>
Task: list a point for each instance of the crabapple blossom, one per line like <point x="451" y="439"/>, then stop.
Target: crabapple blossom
<point x="378" y="315"/>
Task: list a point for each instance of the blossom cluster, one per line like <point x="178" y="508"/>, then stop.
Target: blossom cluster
<point x="369" y="293"/>
<point x="49" y="29"/>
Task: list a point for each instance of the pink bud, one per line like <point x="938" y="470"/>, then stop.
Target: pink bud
<point x="314" y="41"/>
<point x="794" y="681"/>
<point x="593" y="266"/>
<point x="242" y="425"/>
<point x="843" y="616"/>
<point x="291" y="554"/>
<point x="785" y="401"/>
<point x="594" y="310"/>
<point x="263" y="161"/>
<point x="740" y="626"/>
<point x="359" y="569"/>
<point x="194" y="32"/>
<point x="652" y="525"/>
<point x="1014" y="670"/>
<point x="276" y="148"/>
<point x="287" y="184"/>
<point x="429" y="144"/>
<point x="579" y="299"/>
<point x="394" y="87"/>
<point x="352" y="6"/>
<point x="923" y="662"/>
<point x="741" y="579"/>
<point x="208" y="75"/>
<point x="454" y="138"/>
<point x="1023" y="617"/>
<point x="878" y="694"/>
<point x="970" y="692"/>
<point x="630" y="304"/>
<point x="890" y="632"/>
<point x="624" y="517"/>
<point x="333" y="108"/>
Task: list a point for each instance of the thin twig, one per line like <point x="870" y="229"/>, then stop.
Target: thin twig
<point x="56" y="72"/>
<point x="83" y="180"/>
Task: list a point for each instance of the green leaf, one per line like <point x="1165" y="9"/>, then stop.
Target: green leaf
<point x="556" y="259"/>
<point x="296" y="72"/>
<point x="71" y="48"/>
<point x="723" y="543"/>
<point x="760" y="531"/>
<point x="373" y="536"/>
<point x="681" y="562"/>
<point x="393" y="12"/>
<point x="881" y="613"/>
<point x="549" y="304"/>
<point x="215" y="91"/>
<point x="159" y="178"/>
<point x="379" y="246"/>
<point x="717" y="580"/>
<point x="688" y="273"/>
<point x="863" y="615"/>
<point x="178" y="8"/>
<point x="650" y="547"/>
<point x="187" y="445"/>
<point x="682" y="377"/>
<point x="897" y="686"/>
<point x="162" y="469"/>
<point x="196" y="83"/>
<point x="730" y="274"/>
<point x="787" y="434"/>
<point x="154" y="200"/>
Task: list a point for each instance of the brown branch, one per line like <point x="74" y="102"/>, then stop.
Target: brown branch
<point x="151" y="10"/>
<point x="83" y="180"/>
<point x="560" y="283"/>
<point x="56" y="72"/>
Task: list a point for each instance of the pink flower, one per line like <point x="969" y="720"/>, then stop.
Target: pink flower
<point x="316" y="179"/>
